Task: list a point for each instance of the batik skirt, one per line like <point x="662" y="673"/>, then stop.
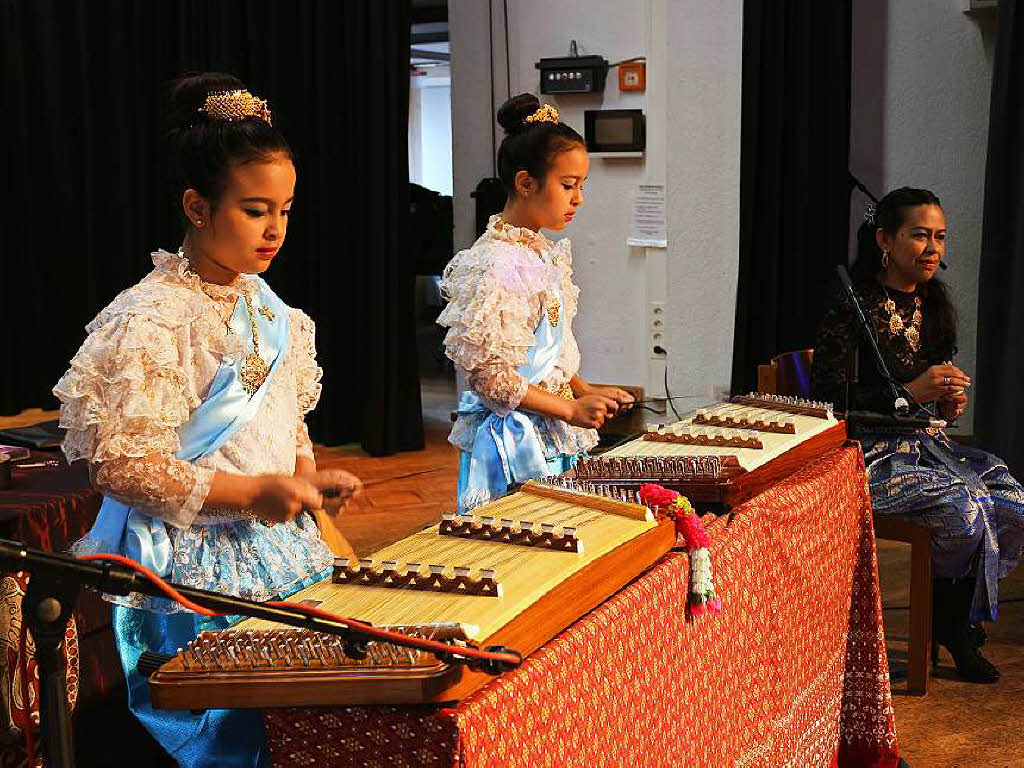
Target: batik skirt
<point x="967" y="497"/>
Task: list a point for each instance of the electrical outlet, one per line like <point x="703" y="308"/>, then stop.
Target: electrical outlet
<point x="657" y="336"/>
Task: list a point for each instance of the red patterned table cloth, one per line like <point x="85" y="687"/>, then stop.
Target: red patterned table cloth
<point x="48" y="508"/>
<point x="793" y="671"/>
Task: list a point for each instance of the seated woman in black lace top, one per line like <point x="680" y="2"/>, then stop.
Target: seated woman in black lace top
<point x="968" y="498"/>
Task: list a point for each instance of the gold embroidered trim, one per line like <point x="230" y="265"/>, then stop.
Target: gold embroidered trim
<point x="554" y="308"/>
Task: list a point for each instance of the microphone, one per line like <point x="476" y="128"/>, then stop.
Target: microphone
<point x="900" y="404"/>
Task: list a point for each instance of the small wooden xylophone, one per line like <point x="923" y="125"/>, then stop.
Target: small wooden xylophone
<point x="723" y="454"/>
<point x="513" y="574"/>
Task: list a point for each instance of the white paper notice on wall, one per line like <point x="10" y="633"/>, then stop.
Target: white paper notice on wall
<point x="647" y="224"/>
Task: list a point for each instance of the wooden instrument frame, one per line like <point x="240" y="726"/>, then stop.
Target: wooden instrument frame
<point x="173" y="687"/>
<point x="734" y="485"/>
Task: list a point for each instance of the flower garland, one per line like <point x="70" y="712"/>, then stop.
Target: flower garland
<point x="702" y="598"/>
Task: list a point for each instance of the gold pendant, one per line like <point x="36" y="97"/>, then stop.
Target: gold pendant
<point x="553" y="309"/>
<point x="267" y="313"/>
<point x="918" y="317"/>
<point x="913" y="337"/>
<point x="254" y="373"/>
<point x="890" y="306"/>
<point x="895" y="324"/>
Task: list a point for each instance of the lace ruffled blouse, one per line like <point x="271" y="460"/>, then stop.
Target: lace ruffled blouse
<point x="148" y="361"/>
<point x="496" y="292"/>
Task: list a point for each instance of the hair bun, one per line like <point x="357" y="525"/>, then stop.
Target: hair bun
<point x="188" y="93"/>
<point x="513" y="113"/>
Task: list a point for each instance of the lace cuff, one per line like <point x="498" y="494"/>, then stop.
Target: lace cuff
<point x="166" y="488"/>
<point x="307" y="372"/>
<point x="303" y="445"/>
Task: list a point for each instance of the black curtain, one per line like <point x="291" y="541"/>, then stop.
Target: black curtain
<point x="81" y="99"/>
<point x="1000" y="374"/>
<point x="794" y="197"/>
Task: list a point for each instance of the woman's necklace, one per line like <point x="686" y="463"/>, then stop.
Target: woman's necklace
<point x="912" y="332"/>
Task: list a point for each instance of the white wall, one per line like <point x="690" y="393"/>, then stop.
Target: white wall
<point x="430" y="133"/>
<point x="692" y="106"/>
<point x="704" y="76"/>
<point x="922" y="72"/>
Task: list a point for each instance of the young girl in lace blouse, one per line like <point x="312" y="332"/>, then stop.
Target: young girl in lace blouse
<point x="187" y="399"/>
<point x="524" y="410"/>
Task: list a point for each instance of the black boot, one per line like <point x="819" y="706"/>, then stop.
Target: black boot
<point x="951" y="627"/>
<point x="978" y="635"/>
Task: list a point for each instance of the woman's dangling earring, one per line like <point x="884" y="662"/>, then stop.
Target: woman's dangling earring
<point x="885" y="261"/>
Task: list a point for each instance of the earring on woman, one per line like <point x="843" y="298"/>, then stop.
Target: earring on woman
<point x="885" y="260"/>
<point x="199" y="223"/>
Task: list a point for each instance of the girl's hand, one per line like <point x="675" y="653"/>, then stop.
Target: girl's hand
<point x="348" y="488"/>
<point x="620" y="396"/>
<point x="592" y="411"/>
<point x="939" y="381"/>
<point x="280" y="498"/>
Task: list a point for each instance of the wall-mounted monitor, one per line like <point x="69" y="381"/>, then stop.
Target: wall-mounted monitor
<point x="614" y="130"/>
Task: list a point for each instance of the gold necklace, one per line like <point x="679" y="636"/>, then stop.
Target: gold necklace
<point x="255" y="369"/>
<point x="912" y="332"/>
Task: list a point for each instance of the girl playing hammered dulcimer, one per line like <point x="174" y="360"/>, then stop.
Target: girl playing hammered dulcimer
<point x="524" y="409"/>
<point x="187" y="399"/>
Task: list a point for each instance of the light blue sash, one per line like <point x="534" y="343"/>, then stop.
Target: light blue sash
<point x="227" y="408"/>
<point x="508" y="449"/>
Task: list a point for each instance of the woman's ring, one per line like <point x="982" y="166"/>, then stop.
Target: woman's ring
<point x="945" y="381"/>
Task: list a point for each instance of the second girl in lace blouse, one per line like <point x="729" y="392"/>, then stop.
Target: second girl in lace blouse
<point x="187" y="399"/>
<point x="524" y="411"/>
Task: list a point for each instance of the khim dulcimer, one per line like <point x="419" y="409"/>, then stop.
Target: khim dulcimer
<point x="514" y="573"/>
<point x="723" y="454"/>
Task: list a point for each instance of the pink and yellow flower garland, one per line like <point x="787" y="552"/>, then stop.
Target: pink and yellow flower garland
<point x="702" y="597"/>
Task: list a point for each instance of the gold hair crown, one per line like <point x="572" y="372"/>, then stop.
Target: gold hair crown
<point x="546" y="114"/>
<point x="235" y="105"/>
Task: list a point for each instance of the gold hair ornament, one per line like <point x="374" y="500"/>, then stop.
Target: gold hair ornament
<point x="235" y="105"/>
<point x="546" y="114"/>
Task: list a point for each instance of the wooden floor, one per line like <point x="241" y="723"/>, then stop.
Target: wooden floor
<point x="957" y="724"/>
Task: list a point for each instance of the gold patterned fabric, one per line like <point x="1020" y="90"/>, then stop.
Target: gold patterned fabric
<point x="792" y="671"/>
<point x="19" y="697"/>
